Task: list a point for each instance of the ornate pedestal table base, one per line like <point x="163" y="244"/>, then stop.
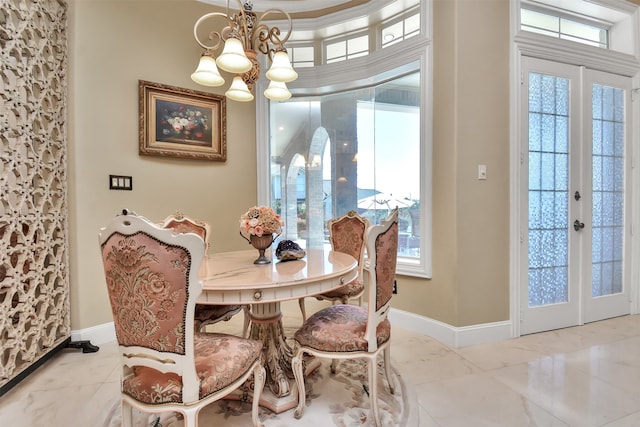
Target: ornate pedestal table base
<point x="233" y="278"/>
<point x="280" y="393"/>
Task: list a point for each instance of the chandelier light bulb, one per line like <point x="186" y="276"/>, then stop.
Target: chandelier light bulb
<point x="233" y="59"/>
<point x="207" y="73"/>
<point x="245" y="35"/>
<point x="281" y="69"/>
<point x="277" y="91"/>
<point x="239" y="91"/>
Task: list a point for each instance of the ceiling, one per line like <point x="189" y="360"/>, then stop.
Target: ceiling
<point x="296" y="8"/>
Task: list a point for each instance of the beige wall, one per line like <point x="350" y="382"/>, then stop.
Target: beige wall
<point x="470" y="283"/>
<point x="115" y="43"/>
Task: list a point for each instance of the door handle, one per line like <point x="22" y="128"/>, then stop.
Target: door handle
<point x="577" y="225"/>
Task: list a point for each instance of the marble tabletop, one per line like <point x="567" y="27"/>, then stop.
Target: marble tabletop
<point x="232" y="278"/>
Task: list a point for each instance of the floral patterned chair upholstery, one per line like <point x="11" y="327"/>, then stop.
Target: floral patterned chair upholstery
<point x="167" y="365"/>
<point x="346" y="331"/>
<point x="205" y="314"/>
<point x="346" y="234"/>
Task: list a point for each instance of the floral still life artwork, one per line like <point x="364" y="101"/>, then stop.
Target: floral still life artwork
<point x="260" y="220"/>
<point x="182" y="123"/>
<point x="179" y="122"/>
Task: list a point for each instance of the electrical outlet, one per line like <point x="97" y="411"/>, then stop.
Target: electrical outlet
<point x="395" y="286"/>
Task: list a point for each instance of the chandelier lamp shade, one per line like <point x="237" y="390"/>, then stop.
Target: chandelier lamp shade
<point x="244" y="36"/>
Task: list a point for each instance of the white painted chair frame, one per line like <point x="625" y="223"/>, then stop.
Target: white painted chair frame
<point x="375" y="317"/>
<point x="182" y="364"/>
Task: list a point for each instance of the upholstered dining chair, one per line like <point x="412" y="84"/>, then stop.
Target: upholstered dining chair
<point x="167" y="365"/>
<point x="205" y="314"/>
<point x="347" y="331"/>
<point x="346" y="234"/>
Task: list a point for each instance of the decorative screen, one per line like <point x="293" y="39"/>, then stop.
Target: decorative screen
<point x="34" y="278"/>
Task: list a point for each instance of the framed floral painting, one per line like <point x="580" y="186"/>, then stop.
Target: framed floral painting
<point x="185" y="123"/>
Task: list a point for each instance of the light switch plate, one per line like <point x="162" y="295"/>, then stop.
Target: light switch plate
<point x="120" y="182"/>
<point x="482" y="172"/>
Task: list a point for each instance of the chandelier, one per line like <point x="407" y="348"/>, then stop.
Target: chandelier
<point x="244" y="36"/>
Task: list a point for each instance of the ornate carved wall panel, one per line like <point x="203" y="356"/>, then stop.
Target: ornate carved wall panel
<point x="34" y="279"/>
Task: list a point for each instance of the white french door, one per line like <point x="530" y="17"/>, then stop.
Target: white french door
<point x="575" y="187"/>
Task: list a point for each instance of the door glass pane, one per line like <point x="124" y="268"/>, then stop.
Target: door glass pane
<point x="548" y="189"/>
<point x="608" y="190"/>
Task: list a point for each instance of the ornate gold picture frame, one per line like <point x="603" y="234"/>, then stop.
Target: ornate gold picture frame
<point x="184" y="123"/>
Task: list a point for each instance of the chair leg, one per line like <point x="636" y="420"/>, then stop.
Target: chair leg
<point x="190" y="417"/>
<point x="127" y="414"/>
<point x="259" y="377"/>
<point x="334" y="366"/>
<point x="372" y="368"/>
<point x="197" y="326"/>
<point x="303" y="310"/>
<point x="387" y="368"/>
<point x="296" y="367"/>
<point x="245" y="326"/>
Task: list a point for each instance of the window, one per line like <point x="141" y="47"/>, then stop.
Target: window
<point x="353" y="150"/>
<point x="557" y="26"/>
<point x="301" y="56"/>
<point x="356" y="134"/>
<point x="395" y="32"/>
<point x="347" y="49"/>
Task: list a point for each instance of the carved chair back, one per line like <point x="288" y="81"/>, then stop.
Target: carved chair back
<point x="347" y="234"/>
<point x="152" y="281"/>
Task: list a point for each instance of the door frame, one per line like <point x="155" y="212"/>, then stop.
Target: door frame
<point x="526" y="44"/>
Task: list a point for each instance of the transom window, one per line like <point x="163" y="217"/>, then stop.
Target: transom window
<point x="545" y="22"/>
<point x="301" y="56"/>
<point x="347" y="49"/>
<point x="396" y="31"/>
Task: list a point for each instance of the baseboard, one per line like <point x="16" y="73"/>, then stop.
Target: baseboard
<point x="452" y="336"/>
<point x="97" y="335"/>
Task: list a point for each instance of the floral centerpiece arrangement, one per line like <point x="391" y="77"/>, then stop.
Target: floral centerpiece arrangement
<point x="260" y="220"/>
<point x="257" y="226"/>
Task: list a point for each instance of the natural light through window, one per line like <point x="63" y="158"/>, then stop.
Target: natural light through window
<point x="559" y="27"/>
<point x="397" y="31"/>
<point x="301" y="56"/>
<point x="347" y="49"/>
<point x="354" y="150"/>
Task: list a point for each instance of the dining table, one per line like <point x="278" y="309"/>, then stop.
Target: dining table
<point x="233" y="278"/>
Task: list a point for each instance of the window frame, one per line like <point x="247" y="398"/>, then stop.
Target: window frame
<point x="410" y="55"/>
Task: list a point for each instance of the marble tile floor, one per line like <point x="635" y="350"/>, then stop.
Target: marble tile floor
<point x="581" y="376"/>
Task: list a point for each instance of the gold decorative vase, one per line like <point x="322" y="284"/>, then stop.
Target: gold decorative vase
<point x="261" y="243"/>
